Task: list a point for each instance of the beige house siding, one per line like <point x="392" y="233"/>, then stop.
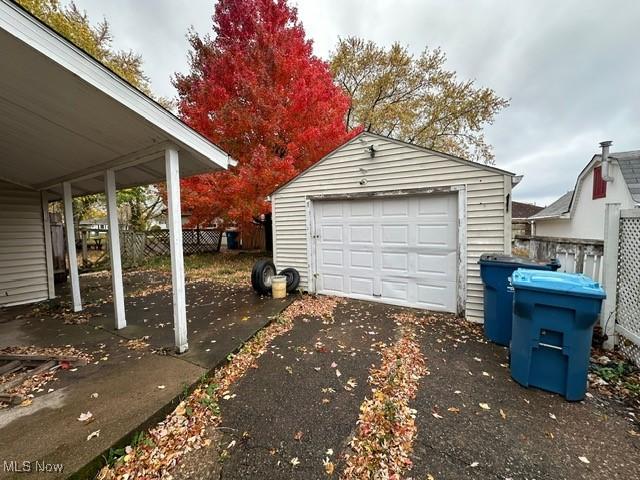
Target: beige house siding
<point x="396" y="166"/>
<point x="23" y="266"/>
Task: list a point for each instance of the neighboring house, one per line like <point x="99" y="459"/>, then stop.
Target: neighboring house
<point x="379" y="219"/>
<point x="580" y="213"/>
<point x="69" y="126"/>
<point x="520" y="213"/>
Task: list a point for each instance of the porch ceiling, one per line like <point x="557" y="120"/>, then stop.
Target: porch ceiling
<point x="64" y="116"/>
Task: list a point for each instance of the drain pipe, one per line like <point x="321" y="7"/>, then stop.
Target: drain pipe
<point x="605" y="161"/>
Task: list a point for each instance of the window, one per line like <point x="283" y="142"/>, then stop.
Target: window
<point x="599" y="185"/>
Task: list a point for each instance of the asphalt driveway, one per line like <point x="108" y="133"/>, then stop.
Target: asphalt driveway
<point x="299" y="408"/>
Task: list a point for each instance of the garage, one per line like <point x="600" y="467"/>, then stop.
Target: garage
<point x="399" y="250"/>
<point x="384" y="220"/>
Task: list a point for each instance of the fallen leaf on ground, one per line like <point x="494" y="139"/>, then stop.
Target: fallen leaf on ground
<point x="584" y="460"/>
<point x="502" y="414"/>
<point x="552" y="416"/>
<point x="298" y="435"/>
<point x="474" y="464"/>
<point x="328" y="466"/>
<point x="84" y="417"/>
<point x="338" y="373"/>
<point x="294" y="461"/>
<point x="93" y="434"/>
<point x="453" y="410"/>
<point x="351" y="384"/>
<point x="161" y="387"/>
<point x="436" y="415"/>
<point x="484" y="406"/>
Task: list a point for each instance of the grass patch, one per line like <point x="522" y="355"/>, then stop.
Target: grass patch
<point x="222" y="266"/>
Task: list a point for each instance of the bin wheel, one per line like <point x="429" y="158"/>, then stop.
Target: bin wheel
<point x="263" y="271"/>
<point x="293" y="279"/>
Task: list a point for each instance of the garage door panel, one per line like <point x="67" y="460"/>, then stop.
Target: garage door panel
<point x="395" y="289"/>
<point x="361" y="286"/>
<point x="396" y="262"/>
<point x="395" y="234"/>
<point x="436" y="206"/>
<point x="331" y="210"/>
<point x="434" y="296"/>
<point x="361" y="234"/>
<point x="443" y="266"/>
<point x="331" y="233"/>
<point x="332" y="258"/>
<point x="395" y="207"/>
<point x="435" y="235"/>
<point x="361" y="259"/>
<point x="398" y="250"/>
<point x="333" y="283"/>
<point x="361" y="209"/>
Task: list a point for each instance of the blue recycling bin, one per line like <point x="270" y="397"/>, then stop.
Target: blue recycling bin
<point x="553" y="318"/>
<point x="495" y="270"/>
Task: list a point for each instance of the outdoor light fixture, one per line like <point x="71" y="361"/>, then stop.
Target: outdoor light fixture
<point x="372" y="151"/>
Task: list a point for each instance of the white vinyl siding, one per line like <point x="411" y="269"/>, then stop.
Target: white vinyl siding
<point x="396" y="166"/>
<point x="23" y="266"/>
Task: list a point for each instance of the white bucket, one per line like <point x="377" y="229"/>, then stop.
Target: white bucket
<point x="279" y="286"/>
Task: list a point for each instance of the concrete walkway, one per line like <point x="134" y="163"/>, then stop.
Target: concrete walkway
<point x="134" y="387"/>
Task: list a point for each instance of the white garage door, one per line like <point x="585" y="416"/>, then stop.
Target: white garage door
<point x="399" y="250"/>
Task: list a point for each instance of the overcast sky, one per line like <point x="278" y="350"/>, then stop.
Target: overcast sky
<point x="571" y="68"/>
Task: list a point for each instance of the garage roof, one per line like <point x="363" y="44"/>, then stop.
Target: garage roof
<point x="66" y="117"/>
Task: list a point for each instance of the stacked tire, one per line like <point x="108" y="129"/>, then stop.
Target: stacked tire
<point x="264" y="270"/>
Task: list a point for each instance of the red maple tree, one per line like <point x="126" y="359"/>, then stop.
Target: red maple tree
<point x="256" y="89"/>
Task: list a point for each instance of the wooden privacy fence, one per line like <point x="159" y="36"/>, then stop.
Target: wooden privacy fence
<point x="575" y="255"/>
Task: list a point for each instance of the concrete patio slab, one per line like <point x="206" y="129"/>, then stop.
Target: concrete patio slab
<point x="134" y="387"/>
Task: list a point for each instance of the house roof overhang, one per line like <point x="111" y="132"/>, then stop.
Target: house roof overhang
<point x="66" y="117"/>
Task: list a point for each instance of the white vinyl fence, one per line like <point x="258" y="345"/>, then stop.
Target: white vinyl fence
<point x="621" y="318"/>
<point x="575" y="255"/>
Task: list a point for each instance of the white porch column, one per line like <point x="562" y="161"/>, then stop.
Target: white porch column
<point x="172" y="171"/>
<point x="48" y="248"/>
<point x="71" y="247"/>
<point x="114" y="249"/>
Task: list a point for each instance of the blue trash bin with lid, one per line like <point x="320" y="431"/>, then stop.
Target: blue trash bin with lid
<point x="553" y="318"/>
<point x="495" y="270"/>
